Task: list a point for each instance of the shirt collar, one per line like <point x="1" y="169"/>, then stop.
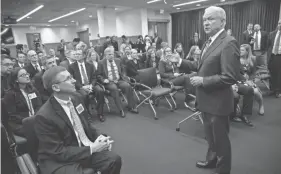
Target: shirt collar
<point x="34" y="64"/>
<point x="63" y="102"/>
<point x="213" y="38"/>
<point x="81" y="63"/>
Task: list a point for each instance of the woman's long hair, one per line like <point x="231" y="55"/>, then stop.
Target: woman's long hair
<point x="15" y="84"/>
<point x="191" y="52"/>
<point x="182" y="51"/>
<point x="250" y="58"/>
<point x="92" y="51"/>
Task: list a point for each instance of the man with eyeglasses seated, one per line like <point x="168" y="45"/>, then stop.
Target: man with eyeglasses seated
<point x="85" y="76"/>
<point x="6" y="68"/>
<point x="67" y="142"/>
<point x="33" y="67"/>
<point x="109" y="73"/>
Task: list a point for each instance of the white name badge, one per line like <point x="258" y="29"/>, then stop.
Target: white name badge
<point x="79" y="108"/>
<point x="32" y="96"/>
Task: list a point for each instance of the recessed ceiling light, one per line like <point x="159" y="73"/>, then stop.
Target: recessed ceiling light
<point x="68" y="14"/>
<point x="48" y="25"/>
<point x="72" y="21"/>
<point x="188" y="3"/>
<point x="178" y="8"/>
<point x="29" y="13"/>
<point x="198" y="5"/>
<point x="28" y="17"/>
<point x="222" y="0"/>
<point x="7" y="25"/>
<point x="116" y="8"/>
<point x="149" y="2"/>
<point x="65" y="25"/>
<point x="90" y="16"/>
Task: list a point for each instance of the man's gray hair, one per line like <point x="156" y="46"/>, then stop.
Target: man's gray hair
<point x="108" y="49"/>
<point x="220" y="11"/>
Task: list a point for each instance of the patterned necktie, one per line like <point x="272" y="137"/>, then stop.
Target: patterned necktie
<point x="277" y="44"/>
<point x="77" y="125"/>
<point x="84" y="75"/>
<point x="206" y="47"/>
<point x="114" y="76"/>
<point x="256" y="42"/>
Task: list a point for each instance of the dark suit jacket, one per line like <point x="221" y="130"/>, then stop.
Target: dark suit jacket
<point x="75" y="72"/>
<point x="192" y="42"/>
<point x="61" y="50"/>
<point x="158" y="42"/>
<point x="31" y="70"/>
<point x="18" y="108"/>
<point x="271" y="39"/>
<point x="247" y="37"/>
<point x="166" y="69"/>
<point x="103" y="72"/>
<point x="264" y="40"/>
<point x="58" y="145"/>
<point x="38" y="84"/>
<point x="17" y="64"/>
<point x="5" y="84"/>
<point x="132" y="68"/>
<point x="219" y="68"/>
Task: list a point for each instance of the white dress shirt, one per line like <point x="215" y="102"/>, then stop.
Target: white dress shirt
<point x="28" y="101"/>
<point x="95" y="64"/>
<point x="82" y="78"/>
<point x="21" y="64"/>
<point x="66" y="109"/>
<point x="275" y="42"/>
<point x="259" y="40"/>
<point x="110" y="75"/>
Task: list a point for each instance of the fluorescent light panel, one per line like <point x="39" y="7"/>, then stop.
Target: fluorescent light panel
<point x="68" y="14"/>
<point x="29" y="13"/>
<point x="149" y="2"/>
<point x="188" y="3"/>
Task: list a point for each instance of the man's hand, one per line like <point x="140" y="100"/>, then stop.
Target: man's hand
<point x="196" y="81"/>
<point x="106" y="81"/>
<point x="235" y="88"/>
<point x="101" y="143"/>
<point x="176" y="74"/>
<point x="87" y="88"/>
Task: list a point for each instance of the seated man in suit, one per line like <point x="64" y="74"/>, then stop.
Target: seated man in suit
<point x="109" y="73"/>
<point x="133" y="65"/>
<point x="68" y="144"/>
<point x="85" y="76"/>
<point x="70" y="59"/>
<point x="47" y="62"/>
<point x="33" y="67"/>
<point x="21" y="59"/>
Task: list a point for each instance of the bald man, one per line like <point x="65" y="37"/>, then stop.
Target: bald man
<point x="34" y="66"/>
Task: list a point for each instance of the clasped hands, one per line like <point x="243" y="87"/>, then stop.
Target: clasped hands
<point x="88" y="88"/>
<point x="102" y="143"/>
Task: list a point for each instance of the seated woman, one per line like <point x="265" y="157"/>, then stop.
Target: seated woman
<point x="22" y="100"/>
<point x="170" y="72"/>
<point x="93" y="58"/>
<point x="194" y="53"/>
<point x="152" y="60"/>
<point x="133" y="65"/>
<point x="178" y="50"/>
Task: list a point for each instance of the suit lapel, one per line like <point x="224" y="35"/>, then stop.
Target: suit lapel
<point x="81" y="115"/>
<point x="22" y="98"/>
<point x="60" y="111"/>
<point x="212" y="47"/>
<point x="77" y="70"/>
<point x="105" y="67"/>
<point x="88" y="70"/>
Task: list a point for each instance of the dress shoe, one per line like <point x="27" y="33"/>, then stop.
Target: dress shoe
<point x="206" y="164"/>
<point x="122" y="114"/>
<point x="261" y="110"/>
<point x="101" y="118"/>
<point x="246" y="121"/>
<point x="133" y="110"/>
<point x="277" y="95"/>
<point x="236" y="119"/>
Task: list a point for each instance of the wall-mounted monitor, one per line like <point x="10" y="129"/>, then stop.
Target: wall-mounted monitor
<point x="7" y="36"/>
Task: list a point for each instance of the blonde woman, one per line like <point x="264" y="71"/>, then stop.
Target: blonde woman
<point x="248" y="63"/>
<point x="179" y="50"/>
<point x="194" y="53"/>
<point x="93" y="58"/>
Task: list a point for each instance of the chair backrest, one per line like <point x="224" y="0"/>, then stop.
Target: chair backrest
<point x="32" y="140"/>
<point x="148" y="77"/>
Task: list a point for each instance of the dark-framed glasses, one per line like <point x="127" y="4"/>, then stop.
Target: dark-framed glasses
<point x="24" y="75"/>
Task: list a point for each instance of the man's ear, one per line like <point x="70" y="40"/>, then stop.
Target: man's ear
<point x="55" y="87"/>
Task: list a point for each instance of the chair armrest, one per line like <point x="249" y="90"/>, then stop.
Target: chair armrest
<point x="168" y="83"/>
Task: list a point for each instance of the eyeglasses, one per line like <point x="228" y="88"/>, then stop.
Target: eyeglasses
<point x="24" y="75"/>
<point x="69" y="78"/>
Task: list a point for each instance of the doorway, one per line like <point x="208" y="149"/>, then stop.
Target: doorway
<point x="32" y="40"/>
<point x="161" y="28"/>
<point x="84" y="36"/>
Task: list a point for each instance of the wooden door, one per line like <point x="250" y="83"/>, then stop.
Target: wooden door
<point x="84" y="36"/>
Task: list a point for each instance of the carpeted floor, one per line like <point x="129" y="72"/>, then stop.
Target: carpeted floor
<point x="149" y="146"/>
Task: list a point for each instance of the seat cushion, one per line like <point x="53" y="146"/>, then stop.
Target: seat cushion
<point x="156" y="92"/>
<point x="177" y="88"/>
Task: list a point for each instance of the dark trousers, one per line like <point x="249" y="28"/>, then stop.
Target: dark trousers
<point x="248" y="99"/>
<point x="216" y="131"/>
<point x="126" y="89"/>
<point x="106" y="162"/>
<point x="184" y="80"/>
<point x="275" y="72"/>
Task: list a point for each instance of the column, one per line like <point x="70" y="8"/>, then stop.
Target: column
<point x="144" y="21"/>
<point x="106" y="21"/>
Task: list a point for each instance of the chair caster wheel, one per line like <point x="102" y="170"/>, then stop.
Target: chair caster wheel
<point x="155" y="118"/>
<point x="177" y="129"/>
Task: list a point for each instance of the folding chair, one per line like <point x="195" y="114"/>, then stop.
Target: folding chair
<point x="149" y="89"/>
<point x="263" y="75"/>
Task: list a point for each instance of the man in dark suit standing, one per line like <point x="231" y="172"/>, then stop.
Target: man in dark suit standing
<point x="70" y="59"/>
<point x="247" y="34"/>
<point x="61" y="48"/>
<point x="109" y="73"/>
<point x="21" y="59"/>
<point x="158" y="41"/>
<point x="6" y="69"/>
<point x="85" y="76"/>
<point x="67" y="143"/>
<point x="217" y="70"/>
<point x="33" y="67"/>
<point x="274" y="53"/>
<point x="259" y="45"/>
